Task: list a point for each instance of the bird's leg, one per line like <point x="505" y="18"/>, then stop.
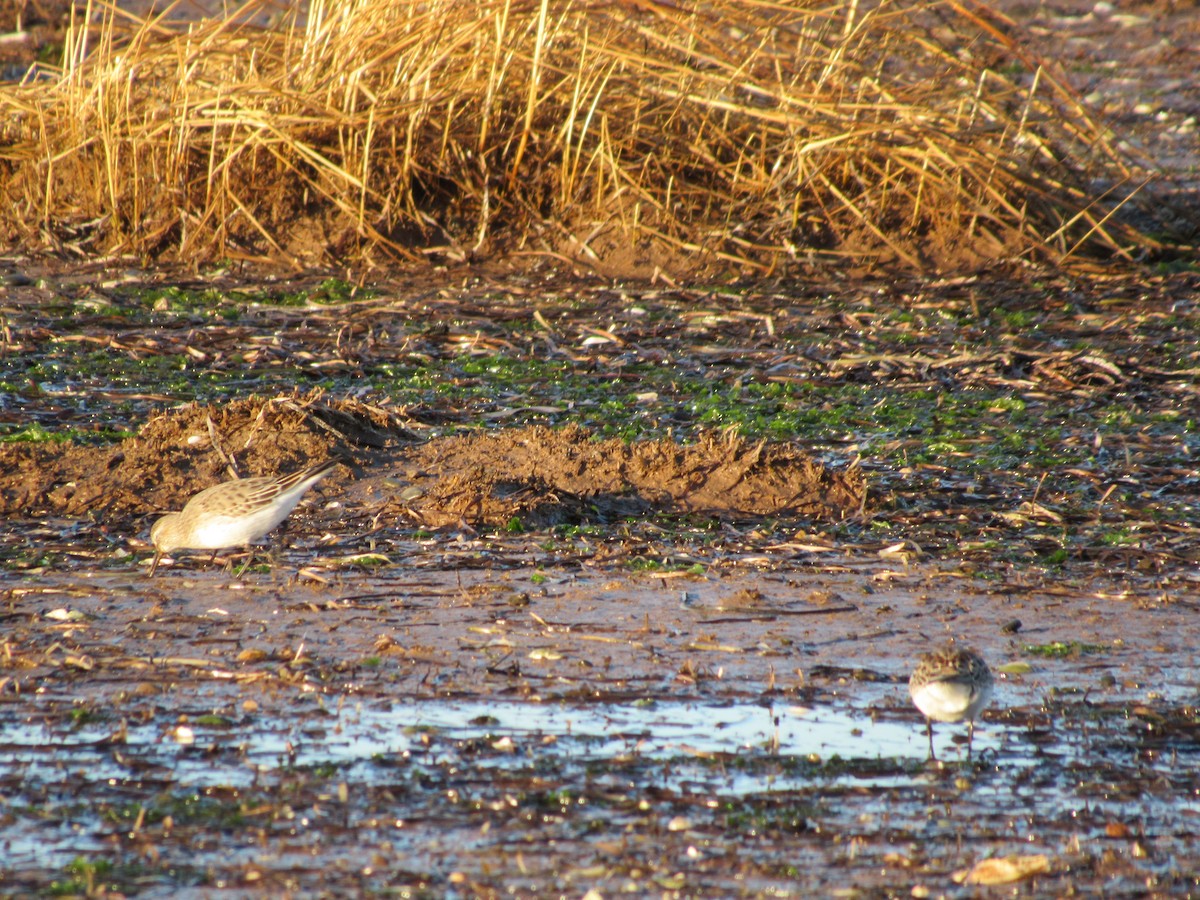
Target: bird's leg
<point x="970" y="737"/>
<point x="274" y="555"/>
<point x="249" y="559"/>
<point x="929" y="731"/>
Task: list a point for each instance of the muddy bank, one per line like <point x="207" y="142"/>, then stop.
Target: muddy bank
<point x="537" y="476"/>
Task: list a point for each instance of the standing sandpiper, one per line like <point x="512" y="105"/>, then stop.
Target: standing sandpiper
<point x="950" y="685"/>
<point x="234" y="513"/>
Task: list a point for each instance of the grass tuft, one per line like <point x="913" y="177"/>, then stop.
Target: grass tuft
<point x="745" y="133"/>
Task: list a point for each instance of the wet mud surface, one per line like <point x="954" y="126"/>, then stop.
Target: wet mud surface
<point x="560" y="631"/>
<point x="744" y="734"/>
<point x="620" y="586"/>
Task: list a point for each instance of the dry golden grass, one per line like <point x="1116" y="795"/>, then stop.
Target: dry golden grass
<point x="747" y="132"/>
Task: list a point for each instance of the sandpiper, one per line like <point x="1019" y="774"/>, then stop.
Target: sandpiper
<point x="234" y="513"/>
<point x="950" y="685"/>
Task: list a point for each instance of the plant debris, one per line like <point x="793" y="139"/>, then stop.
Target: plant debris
<point x="632" y="137"/>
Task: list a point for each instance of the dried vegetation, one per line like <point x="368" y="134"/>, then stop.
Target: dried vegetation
<point x="629" y="135"/>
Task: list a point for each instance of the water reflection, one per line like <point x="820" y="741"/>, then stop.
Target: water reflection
<point x="366" y="733"/>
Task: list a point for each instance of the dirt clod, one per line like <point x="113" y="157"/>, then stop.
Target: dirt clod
<point x="538" y="476"/>
<point x="548" y="477"/>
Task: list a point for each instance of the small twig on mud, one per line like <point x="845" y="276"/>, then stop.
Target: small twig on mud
<point x="216" y="443"/>
<point x="1107" y="494"/>
<point x="776" y="613"/>
<point x="258" y="423"/>
<point x="1038" y="489"/>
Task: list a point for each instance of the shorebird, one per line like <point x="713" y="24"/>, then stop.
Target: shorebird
<point x="951" y="685"/>
<point x="233" y="513"/>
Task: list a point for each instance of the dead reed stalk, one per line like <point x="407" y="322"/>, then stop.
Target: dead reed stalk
<point x="743" y="132"/>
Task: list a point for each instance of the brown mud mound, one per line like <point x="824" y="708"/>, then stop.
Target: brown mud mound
<point x="540" y="476"/>
<point x="182" y="451"/>
<point x="544" y="476"/>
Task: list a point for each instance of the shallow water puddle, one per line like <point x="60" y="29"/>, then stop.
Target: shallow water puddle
<point x="654" y="730"/>
<point x="724" y="750"/>
<point x="446" y="762"/>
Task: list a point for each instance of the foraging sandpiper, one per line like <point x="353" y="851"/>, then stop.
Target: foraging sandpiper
<point x="233" y="513"/>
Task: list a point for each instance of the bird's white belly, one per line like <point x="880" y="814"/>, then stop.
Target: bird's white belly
<point x="218" y="532"/>
<point x="950" y="701"/>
